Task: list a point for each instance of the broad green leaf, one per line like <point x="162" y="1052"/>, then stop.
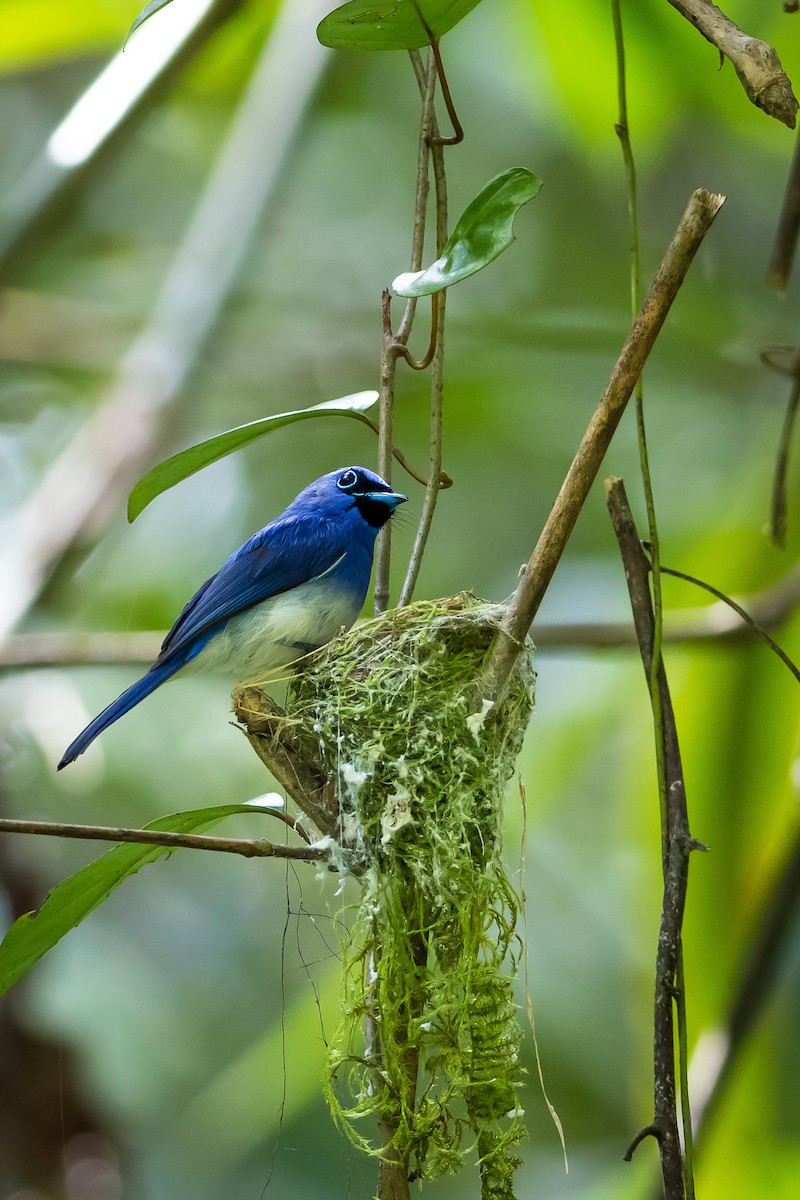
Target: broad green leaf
<point x="483" y="232"/>
<point x="146" y="13"/>
<point x="33" y="934"/>
<point x="390" y="24"/>
<point x="188" y="462"/>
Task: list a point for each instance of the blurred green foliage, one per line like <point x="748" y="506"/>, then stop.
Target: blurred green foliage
<point x="177" y="994"/>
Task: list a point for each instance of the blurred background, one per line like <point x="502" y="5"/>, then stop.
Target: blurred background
<point x="203" y="243"/>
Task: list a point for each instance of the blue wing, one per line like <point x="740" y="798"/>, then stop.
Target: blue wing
<point x="287" y="553"/>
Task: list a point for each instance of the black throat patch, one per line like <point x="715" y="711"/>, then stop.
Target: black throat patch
<point x="374" y="512"/>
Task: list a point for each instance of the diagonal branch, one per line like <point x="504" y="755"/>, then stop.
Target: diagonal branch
<point x="769" y="608"/>
<point x="755" y="62"/>
<point x="246" y="847"/>
<point x="700" y="212"/>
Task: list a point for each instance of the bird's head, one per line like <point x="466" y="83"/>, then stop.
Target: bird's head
<point x="353" y="489"/>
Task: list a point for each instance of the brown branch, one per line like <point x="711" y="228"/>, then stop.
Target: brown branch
<point x="247" y="848"/>
<point x="694" y="224"/>
<point x="392" y="343"/>
<point x="435" y="473"/>
<point x="755" y="62"/>
<point x="677" y="844"/>
<point x="713" y="623"/>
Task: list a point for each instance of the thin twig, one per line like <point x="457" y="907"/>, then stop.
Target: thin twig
<point x="458" y="131"/>
<point x="422" y="364"/>
<point x="767" y="609"/>
<point x="393" y="342"/>
<point x="679" y="847"/>
<point x="435" y="460"/>
<point x="393" y="1175"/>
<point x="444" y="479"/>
<point x="623" y="134"/>
<point x="654" y="579"/>
<point x="694" y="225"/>
<point x="437" y="385"/>
<point x="247" y="848"/>
<point x="745" y="616"/>
<point x="756" y="63"/>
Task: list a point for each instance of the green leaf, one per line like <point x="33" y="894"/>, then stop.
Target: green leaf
<point x="33" y="934"/>
<point x="145" y="14"/>
<point x="483" y="232"/>
<point x="189" y="461"/>
<point x="390" y="24"/>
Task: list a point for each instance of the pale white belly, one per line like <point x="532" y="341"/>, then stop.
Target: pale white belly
<point x="277" y="632"/>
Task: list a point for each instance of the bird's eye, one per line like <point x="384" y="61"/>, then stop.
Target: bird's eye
<point x="347" y="481"/>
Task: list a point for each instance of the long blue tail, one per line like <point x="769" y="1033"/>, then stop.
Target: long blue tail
<point x="159" y="673"/>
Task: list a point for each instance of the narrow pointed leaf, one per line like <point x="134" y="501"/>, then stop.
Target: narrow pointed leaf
<point x="145" y="14"/>
<point x="390" y="24"/>
<point x="189" y="461"/>
<point x="33" y="934"/>
<point x="483" y="232"/>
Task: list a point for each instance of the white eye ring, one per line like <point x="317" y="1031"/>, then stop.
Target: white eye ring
<point x="347" y="481"/>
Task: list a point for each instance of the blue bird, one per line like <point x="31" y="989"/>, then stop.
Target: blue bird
<point x="286" y="592"/>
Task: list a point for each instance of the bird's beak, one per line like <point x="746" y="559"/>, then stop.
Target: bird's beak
<point x="393" y="499"/>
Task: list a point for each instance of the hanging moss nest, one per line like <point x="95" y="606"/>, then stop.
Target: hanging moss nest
<point x="429" y="1039"/>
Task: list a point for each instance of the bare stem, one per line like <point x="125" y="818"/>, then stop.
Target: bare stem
<point x="247" y="848"/>
<point x="623" y="133"/>
<point x="392" y="342"/>
<point x="434" y="484"/>
<point x="694" y="225"/>
<point x="435" y="459"/>
<point x="768" y="609"/>
<point x="653" y="577"/>
<point x="677" y="1185"/>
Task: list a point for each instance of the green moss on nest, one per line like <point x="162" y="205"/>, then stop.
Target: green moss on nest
<point x="421" y="777"/>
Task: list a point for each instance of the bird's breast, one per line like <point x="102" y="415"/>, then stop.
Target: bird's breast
<point x="279" y="630"/>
